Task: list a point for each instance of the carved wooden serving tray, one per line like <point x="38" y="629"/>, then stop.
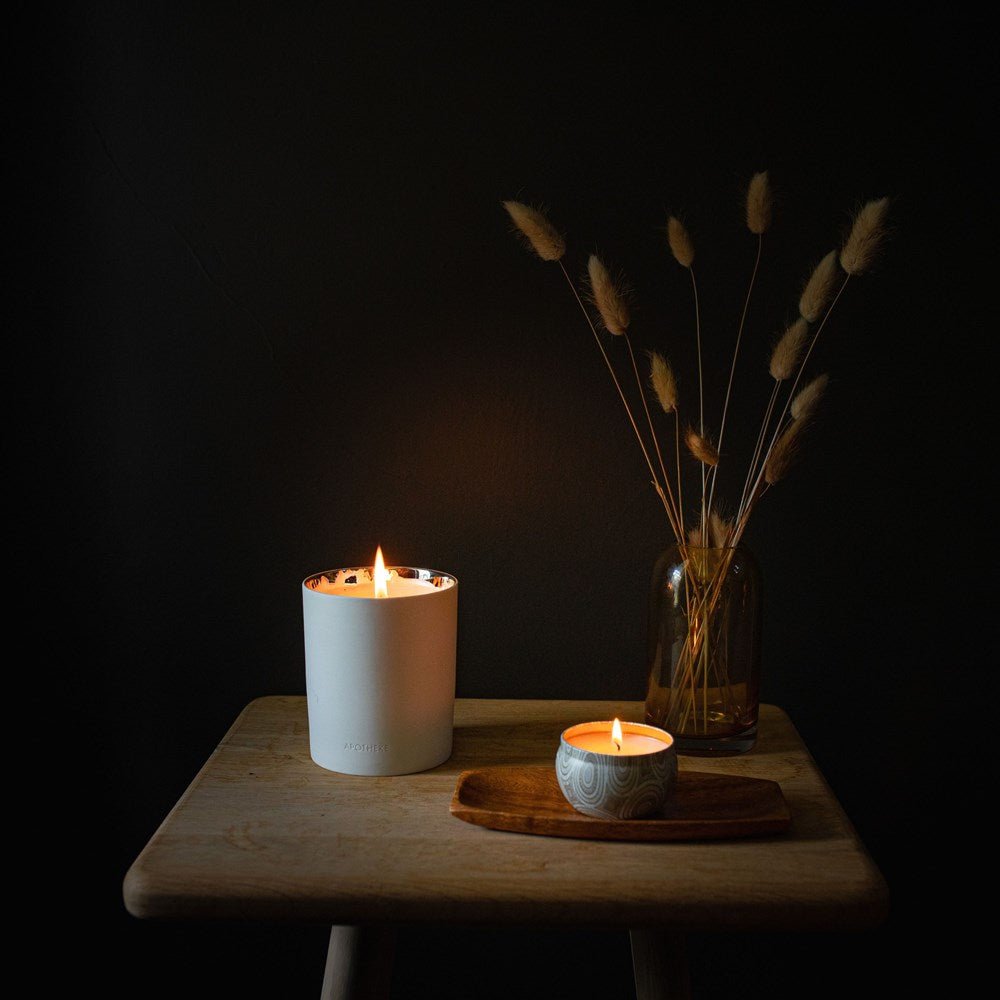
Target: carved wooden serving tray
<point x="702" y="806"/>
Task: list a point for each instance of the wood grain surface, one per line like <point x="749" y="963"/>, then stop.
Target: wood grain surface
<point x="701" y="807"/>
<point x="264" y="833"/>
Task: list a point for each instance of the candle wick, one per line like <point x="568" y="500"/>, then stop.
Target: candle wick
<point x="618" y="745"/>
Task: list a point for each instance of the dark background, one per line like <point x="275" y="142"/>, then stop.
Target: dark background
<point x="272" y="315"/>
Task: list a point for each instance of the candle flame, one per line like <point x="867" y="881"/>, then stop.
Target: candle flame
<point x="380" y="575"/>
<point x="616" y="735"/>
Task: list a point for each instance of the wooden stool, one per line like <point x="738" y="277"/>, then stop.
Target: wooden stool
<point x="264" y="833"/>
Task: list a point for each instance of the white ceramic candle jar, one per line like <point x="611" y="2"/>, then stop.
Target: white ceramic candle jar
<point x="380" y="671"/>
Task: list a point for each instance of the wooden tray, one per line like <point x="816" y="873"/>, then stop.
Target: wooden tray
<point x="702" y="806"/>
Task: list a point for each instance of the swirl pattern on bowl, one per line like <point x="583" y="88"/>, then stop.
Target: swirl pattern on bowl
<point x="611" y="787"/>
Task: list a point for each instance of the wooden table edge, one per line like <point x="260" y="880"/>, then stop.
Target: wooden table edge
<point x="136" y="886"/>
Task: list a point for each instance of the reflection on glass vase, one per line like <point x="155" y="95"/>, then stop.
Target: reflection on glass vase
<point x="704" y="648"/>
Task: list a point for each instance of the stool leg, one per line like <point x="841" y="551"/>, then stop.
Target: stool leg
<point x="358" y="963"/>
<point x="659" y="962"/>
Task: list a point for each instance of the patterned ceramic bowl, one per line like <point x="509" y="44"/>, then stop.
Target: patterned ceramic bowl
<point x="613" y="786"/>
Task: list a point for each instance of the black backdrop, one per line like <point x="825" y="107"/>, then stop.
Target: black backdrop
<point x="273" y="315"/>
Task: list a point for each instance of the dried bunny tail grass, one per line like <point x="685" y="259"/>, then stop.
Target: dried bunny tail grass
<point x="784" y="453"/>
<point x="788" y="350"/>
<point x="819" y="288"/>
<point x="608" y="296"/>
<point x="805" y="403"/>
<point x="537" y="230"/>
<point x="661" y="378"/>
<point x="867" y="235"/>
<point x="680" y="242"/>
<point x="718" y="533"/>
<point x="720" y="529"/>
<point x="759" y="203"/>
<point x="695" y="538"/>
<point x="701" y="447"/>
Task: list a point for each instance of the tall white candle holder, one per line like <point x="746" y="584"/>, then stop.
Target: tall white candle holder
<point x="380" y="671"/>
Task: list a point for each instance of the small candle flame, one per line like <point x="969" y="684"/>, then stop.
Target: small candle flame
<point x="616" y="735"/>
<point x="380" y="575"/>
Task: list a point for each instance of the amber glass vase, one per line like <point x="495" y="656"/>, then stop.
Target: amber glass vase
<point x="704" y="648"/>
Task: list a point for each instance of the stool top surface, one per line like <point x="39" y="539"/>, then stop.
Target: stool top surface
<point x="264" y="833"/>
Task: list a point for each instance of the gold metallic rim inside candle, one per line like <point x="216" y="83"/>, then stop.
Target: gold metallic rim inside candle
<point x="338" y="578"/>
